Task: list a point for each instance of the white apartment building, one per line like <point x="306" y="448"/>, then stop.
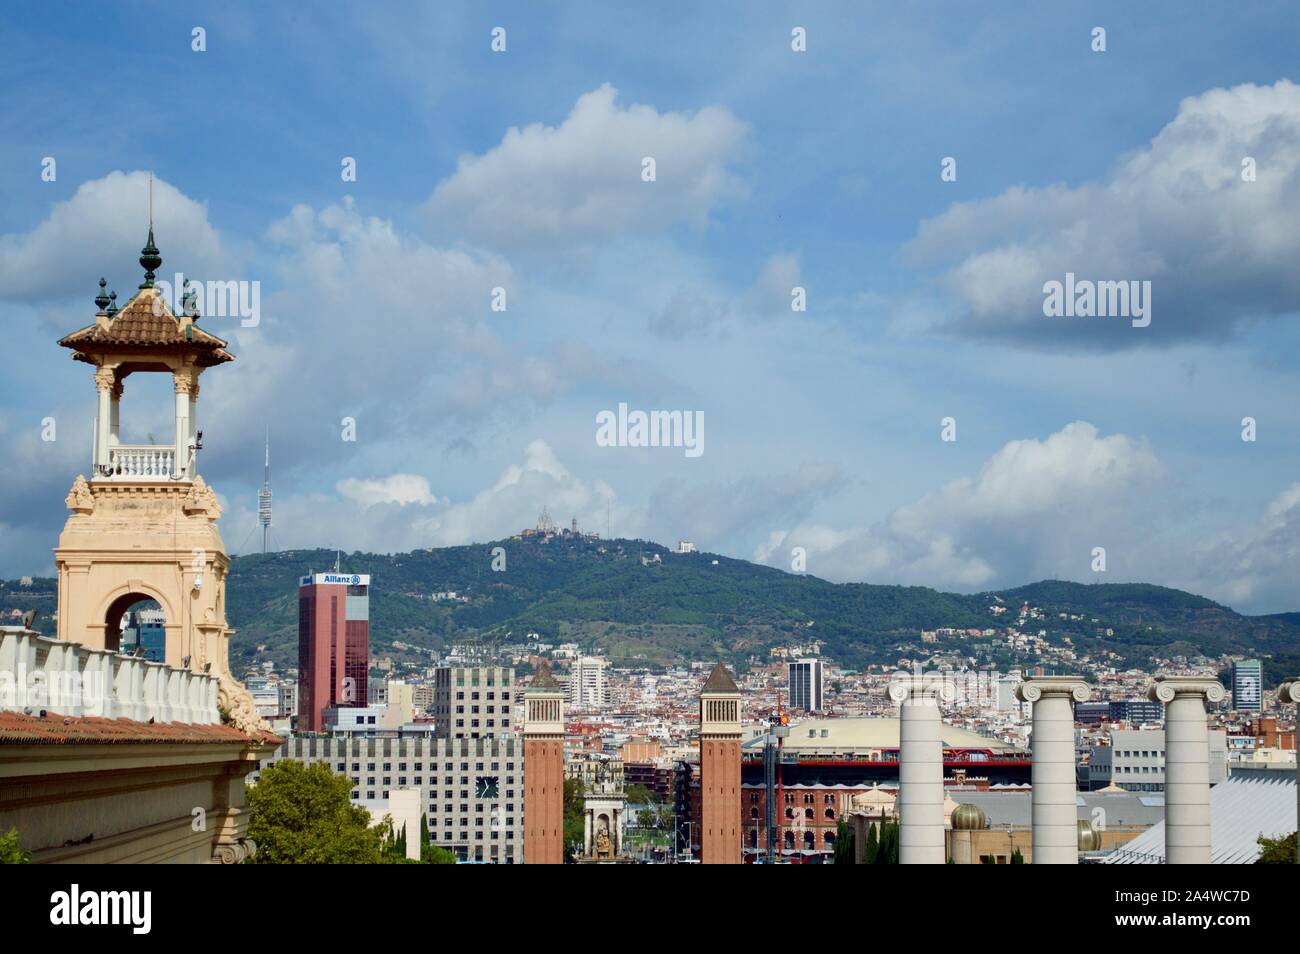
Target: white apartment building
<point x="806" y="685"/>
<point x="589" y="683"/>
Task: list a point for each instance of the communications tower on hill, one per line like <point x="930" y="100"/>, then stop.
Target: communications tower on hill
<point x="264" y="495"/>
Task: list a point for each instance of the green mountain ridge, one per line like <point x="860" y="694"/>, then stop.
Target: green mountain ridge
<point x="641" y="603"/>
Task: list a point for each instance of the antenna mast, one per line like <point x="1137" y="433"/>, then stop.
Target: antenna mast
<point x="264" y="495"/>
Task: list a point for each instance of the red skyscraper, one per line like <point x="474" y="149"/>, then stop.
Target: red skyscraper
<point x="333" y="645"/>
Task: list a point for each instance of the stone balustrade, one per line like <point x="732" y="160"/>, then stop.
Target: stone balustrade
<point x="140" y="462"/>
<point x="38" y="672"/>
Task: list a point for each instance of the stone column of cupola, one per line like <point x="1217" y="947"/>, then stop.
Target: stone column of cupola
<point x="115" y="415"/>
<point x="105" y="380"/>
<point x="194" y="426"/>
<point x="184" y="381"/>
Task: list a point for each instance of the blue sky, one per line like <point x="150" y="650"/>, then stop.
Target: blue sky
<point x="775" y="169"/>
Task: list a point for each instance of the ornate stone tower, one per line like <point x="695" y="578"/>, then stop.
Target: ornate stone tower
<point x="144" y="527"/>
<point x="544" y="770"/>
<point x="720" y="769"/>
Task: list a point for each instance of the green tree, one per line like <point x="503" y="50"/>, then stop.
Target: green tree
<point x="574" y="824"/>
<point x="665" y="817"/>
<point x="872" y="849"/>
<point x="1017" y="858"/>
<point x="300" y="814"/>
<point x="844" y="843"/>
<point x="1277" y="851"/>
<point x="638" y="795"/>
<point x="645" y="818"/>
<point x="887" y="853"/>
<point x="10" y="853"/>
<point x="435" y="855"/>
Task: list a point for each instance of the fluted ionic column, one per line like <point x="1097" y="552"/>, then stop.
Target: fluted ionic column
<point x="1187" y="765"/>
<point x="183" y="381"/>
<point x="920" y="766"/>
<point x="1289" y="691"/>
<point x="1054" y="785"/>
<point x="105" y="379"/>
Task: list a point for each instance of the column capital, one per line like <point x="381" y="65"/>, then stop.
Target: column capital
<point x="105" y="378"/>
<point x="1289" y="691"/>
<point x="185" y="380"/>
<point x="1166" y="688"/>
<point x="923" y="687"/>
<point x="1033" y="689"/>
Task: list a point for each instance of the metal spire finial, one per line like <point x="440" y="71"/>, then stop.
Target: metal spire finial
<point x="150" y="260"/>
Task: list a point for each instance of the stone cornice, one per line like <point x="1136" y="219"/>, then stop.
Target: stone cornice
<point x="1166" y="688"/>
<point x="1031" y="690"/>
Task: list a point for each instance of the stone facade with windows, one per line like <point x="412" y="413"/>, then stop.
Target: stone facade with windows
<point x="471" y="790"/>
<point x="473" y="702"/>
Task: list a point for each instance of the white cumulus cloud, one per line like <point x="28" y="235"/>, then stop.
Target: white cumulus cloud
<point x="1219" y="250"/>
<point x="100" y="230"/>
<point x="582" y="180"/>
<point x="400" y="489"/>
<point x="1035" y="509"/>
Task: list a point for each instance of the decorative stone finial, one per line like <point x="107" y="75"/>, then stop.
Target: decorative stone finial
<point x="150" y="260"/>
<point x="189" y="302"/>
<point x="111" y="310"/>
<point x="201" y="500"/>
<point x="102" y="299"/>
<point x="80" y="499"/>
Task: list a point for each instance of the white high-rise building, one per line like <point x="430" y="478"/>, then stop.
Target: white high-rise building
<point x="806" y="679"/>
<point x="588" y="683"/>
<point x="1247" y="685"/>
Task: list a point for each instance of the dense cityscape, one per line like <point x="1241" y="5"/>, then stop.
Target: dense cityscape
<point x="613" y="435"/>
<point x="632" y="735"/>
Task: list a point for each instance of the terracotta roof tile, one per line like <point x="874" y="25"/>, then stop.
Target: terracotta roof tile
<point x="17" y="728"/>
<point x="146" y="320"/>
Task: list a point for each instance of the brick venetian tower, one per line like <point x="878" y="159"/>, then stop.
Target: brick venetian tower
<point x="144" y="527"/>
<point x="544" y="770"/>
<point x="720" y="769"/>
